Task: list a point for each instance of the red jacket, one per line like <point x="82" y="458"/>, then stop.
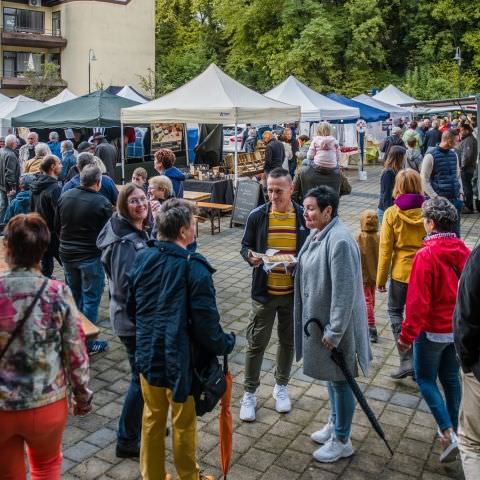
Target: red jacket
<point x="432" y="290"/>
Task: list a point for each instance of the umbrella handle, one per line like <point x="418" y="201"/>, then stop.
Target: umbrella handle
<point x="312" y="320"/>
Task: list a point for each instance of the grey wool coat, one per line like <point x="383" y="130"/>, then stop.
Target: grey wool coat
<point x="329" y="287"/>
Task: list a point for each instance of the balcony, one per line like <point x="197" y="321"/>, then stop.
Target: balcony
<point x="24" y="38"/>
<point x="10" y="80"/>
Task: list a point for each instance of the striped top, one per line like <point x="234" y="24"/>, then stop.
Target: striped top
<point x="282" y="236"/>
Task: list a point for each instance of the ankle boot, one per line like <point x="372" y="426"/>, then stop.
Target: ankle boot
<point x="405" y="369"/>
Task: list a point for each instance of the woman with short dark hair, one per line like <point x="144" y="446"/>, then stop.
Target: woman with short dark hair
<point x="122" y="237"/>
<point x="42" y="352"/>
<point x="431" y="298"/>
<point x="172" y="303"/>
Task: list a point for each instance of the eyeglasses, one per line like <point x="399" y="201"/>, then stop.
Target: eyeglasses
<point x="137" y="201"/>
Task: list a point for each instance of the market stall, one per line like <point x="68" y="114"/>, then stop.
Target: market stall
<point x="16" y="106"/>
<point x="64" y="96"/>
<point x="211" y="97"/>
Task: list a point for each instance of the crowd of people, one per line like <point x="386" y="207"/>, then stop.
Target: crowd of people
<point x="162" y="300"/>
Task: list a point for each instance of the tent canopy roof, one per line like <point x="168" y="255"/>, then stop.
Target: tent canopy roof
<point x="365" y="99"/>
<point x="211" y="97"/>
<point x="368" y="113"/>
<point x="393" y="96"/>
<point x="98" y="109"/>
<point x="17" y="106"/>
<point x="129" y="92"/>
<point x="459" y="103"/>
<point x="314" y="106"/>
<point x="64" y="96"/>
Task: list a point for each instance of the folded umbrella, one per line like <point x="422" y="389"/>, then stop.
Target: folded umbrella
<point x="338" y="358"/>
<point x="225" y="422"/>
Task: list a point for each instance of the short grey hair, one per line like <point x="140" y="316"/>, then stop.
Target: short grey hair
<point x="84" y="159"/>
<point x="173" y="215"/>
<point x="90" y="176"/>
<point x="42" y="150"/>
<point x="67" y="144"/>
<point x="441" y="212"/>
<point x="53" y="136"/>
<point x="10" y="140"/>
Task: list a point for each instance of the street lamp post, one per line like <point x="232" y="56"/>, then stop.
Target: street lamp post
<point x="91" y="58"/>
<point x="458" y="59"/>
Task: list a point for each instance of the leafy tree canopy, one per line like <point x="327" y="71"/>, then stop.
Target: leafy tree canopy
<point x="346" y="46"/>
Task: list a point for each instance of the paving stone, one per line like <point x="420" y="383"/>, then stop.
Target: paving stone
<point x="257" y="459"/>
<point x="80" y="451"/>
<point x="126" y="470"/>
<point x="294" y="460"/>
<point x="286" y="429"/>
<point x="91" y="468"/>
<point x="102" y="438"/>
<point x="377" y="393"/>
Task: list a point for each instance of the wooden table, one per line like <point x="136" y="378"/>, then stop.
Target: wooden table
<point x="196" y="196"/>
<point x="91" y="331"/>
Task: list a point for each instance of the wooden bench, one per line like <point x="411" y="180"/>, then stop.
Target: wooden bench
<point x="214" y="213"/>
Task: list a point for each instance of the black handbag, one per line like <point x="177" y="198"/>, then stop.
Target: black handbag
<point x="208" y="378"/>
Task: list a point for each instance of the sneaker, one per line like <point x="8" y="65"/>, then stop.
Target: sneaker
<point x="450" y="452"/>
<point x="97" y="346"/>
<point x="333" y="450"/>
<point x="282" y="400"/>
<point x="372" y="332"/>
<point x="247" y="407"/>
<point x="323" y="435"/>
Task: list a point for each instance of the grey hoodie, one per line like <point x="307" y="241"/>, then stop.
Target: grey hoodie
<point x="119" y="242"/>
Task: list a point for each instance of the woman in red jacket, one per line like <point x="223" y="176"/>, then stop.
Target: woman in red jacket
<point x="431" y="297"/>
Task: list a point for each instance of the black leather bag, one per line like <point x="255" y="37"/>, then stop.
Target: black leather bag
<point x="209" y="385"/>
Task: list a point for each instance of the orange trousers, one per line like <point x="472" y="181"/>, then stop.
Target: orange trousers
<point x="41" y="430"/>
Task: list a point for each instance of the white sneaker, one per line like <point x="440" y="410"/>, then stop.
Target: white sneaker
<point x="282" y="400"/>
<point x="323" y="435"/>
<point x="247" y="407"/>
<point x="450" y="452"/>
<point x="333" y="450"/>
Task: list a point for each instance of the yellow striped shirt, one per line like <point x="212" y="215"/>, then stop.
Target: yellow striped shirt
<point x="282" y="236"/>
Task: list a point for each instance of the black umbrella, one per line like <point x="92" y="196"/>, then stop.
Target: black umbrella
<point x="339" y="359"/>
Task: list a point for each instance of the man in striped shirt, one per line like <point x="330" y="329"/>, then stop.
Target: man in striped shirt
<point x="278" y="225"/>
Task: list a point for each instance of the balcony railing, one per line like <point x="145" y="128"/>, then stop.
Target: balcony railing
<point x="39" y="31"/>
<point x="33" y="38"/>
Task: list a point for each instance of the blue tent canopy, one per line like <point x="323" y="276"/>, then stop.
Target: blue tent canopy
<point x="369" y="114"/>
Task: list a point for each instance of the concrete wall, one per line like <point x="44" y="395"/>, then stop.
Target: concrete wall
<point x="122" y="37"/>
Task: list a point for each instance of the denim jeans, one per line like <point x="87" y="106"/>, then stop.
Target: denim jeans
<point x="342" y="407"/>
<point x="86" y="280"/>
<point x="467" y="177"/>
<point x="432" y="359"/>
<point x="458" y="204"/>
<point x="130" y="424"/>
<point x="380" y="216"/>
<point x="397" y="297"/>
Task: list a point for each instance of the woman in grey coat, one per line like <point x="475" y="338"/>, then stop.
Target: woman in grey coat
<point x="329" y="287"/>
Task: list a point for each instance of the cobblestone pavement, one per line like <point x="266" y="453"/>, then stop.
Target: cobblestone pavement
<point x="276" y="446"/>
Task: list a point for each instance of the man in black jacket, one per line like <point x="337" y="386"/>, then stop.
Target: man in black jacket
<point x="277" y="225"/>
<point x="433" y="137"/>
<point x="45" y="194"/>
<point x="274" y="152"/>
<point x="394" y="139"/>
<point x="82" y="212"/>
<point x="466" y="327"/>
<point x="467" y="154"/>
<point x="107" y="153"/>
<point x="9" y="173"/>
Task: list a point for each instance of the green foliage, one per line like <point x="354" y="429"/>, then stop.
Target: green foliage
<point x="46" y="84"/>
<point x="347" y="46"/>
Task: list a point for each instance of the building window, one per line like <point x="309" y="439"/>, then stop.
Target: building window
<point x="16" y="64"/>
<point x="18" y="20"/>
<point x="56" y="24"/>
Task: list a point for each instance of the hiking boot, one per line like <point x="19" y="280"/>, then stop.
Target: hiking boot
<point x="247" y="407"/>
<point x="282" y="400"/>
<point x="333" y="450"/>
<point x="373" y="334"/>
<point x="323" y="435"/>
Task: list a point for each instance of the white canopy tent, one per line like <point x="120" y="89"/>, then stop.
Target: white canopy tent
<point x="394" y="96"/>
<point x="393" y="110"/>
<point x="4" y="98"/>
<point x="211" y="97"/>
<point x="64" y="96"/>
<point x="128" y="92"/>
<point x="314" y="106"/>
<point x="15" y="107"/>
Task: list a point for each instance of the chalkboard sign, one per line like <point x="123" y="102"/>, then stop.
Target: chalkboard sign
<point x="248" y="196"/>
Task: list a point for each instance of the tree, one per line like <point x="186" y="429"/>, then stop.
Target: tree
<point x="46" y="84"/>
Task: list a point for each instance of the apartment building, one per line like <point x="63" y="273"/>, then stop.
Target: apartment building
<point x="95" y="42"/>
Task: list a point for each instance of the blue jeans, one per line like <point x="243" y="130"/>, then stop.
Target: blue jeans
<point x="86" y="280"/>
<point x="432" y="360"/>
<point x="130" y="424"/>
<point x="380" y="217"/>
<point x="458" y="204"/>
<point x="342" y="406"/>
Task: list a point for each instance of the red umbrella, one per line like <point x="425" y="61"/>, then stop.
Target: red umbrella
<point x="225" y="422"/>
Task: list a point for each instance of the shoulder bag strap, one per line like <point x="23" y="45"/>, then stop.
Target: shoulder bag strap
<point x="22" y="321"/>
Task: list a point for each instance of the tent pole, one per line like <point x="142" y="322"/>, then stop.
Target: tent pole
<point x="236" y="154"/>
<point x="122" y="147"/>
